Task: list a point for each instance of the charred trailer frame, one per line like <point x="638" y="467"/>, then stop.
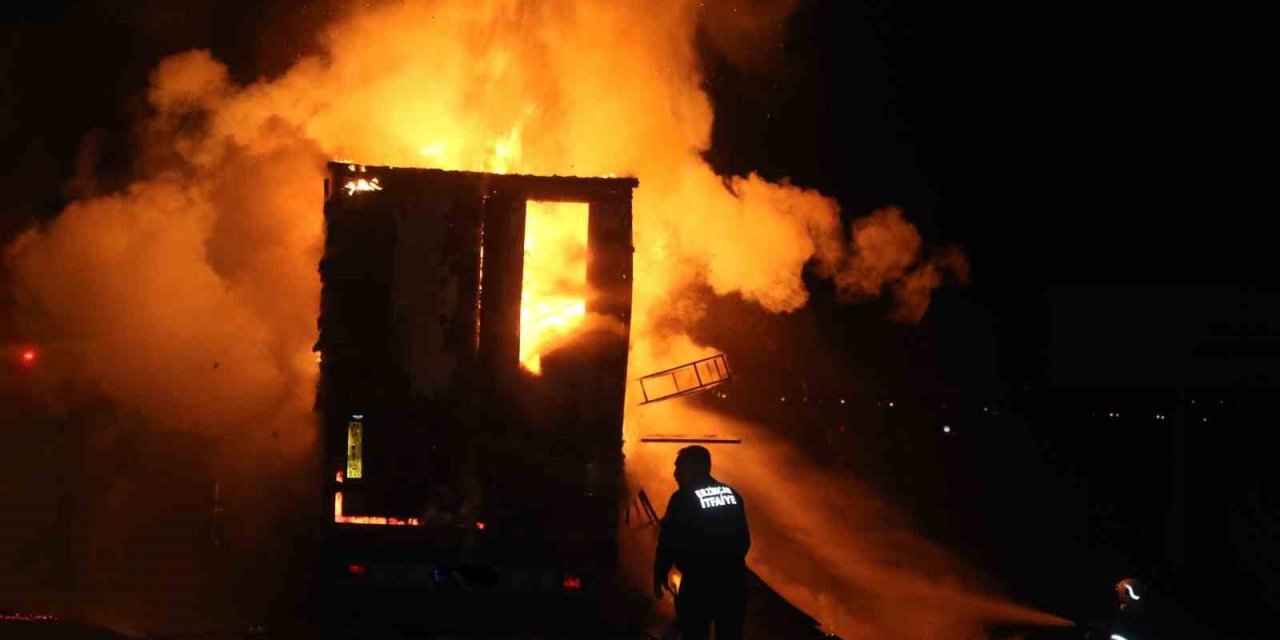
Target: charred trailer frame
<point x="419" y="369"/>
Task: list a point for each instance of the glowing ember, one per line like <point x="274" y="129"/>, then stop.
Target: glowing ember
<point x="553" y="298"/>
<point x="27" y="617"/>
<point x="361" y="184"/>
<point x="339" y="518"/>
<point x="379" y="520"/>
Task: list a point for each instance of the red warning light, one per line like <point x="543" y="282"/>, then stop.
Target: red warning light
<point x="28" y="357"/>
<point x="357" y="570"/>
<point x="572" y="583"/>
<point x="480" y="525"/>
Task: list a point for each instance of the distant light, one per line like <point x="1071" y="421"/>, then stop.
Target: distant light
<point x="1116" y="636"/>
<point x="357" y="570"/>
<point x="1132" y="594"/>
<point x="784" y="398"/>
<point x="841" y="400"/>
<point x="339" y="477"/>
<point x="29" y="357"/>
<point x="946" y="429"/>
<point x="891" y="404"/>
<point x="985" y="409"/>
<point x="359" y="416"/>
<point x="480" y="525"/>
<point x="572" y="583"/>
<point x="1206" y="419"/>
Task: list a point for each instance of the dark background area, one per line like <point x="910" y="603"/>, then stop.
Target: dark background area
<point x="1073" y="151"/>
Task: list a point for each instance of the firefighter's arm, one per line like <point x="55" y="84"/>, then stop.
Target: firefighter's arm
<point x="746" y="528"/>
<point x="665" y="557"/>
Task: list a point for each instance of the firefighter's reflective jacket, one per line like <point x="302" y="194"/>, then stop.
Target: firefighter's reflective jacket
<point x="705" y="528"/>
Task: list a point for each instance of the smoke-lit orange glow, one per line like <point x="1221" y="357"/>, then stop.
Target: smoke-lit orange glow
<point x="28" y="357"/>
<point x="553" y="297"/>
<point x="190" y="296"/>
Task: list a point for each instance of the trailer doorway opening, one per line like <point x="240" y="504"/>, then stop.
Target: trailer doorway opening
<point x="553" y="295"/>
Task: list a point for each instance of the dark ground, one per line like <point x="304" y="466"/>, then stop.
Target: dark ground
<point x="768" y="616"/>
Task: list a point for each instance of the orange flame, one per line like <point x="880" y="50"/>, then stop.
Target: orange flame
<point x="360" y="185"/>
<point x="553" y="299"/>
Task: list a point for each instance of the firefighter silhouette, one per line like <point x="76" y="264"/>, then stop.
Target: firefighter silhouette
<point x="704" y="535"/>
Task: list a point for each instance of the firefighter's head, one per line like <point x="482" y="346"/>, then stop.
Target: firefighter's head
<point x="693" y="463"/>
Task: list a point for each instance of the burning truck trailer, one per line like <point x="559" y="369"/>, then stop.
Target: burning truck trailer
<point x="473" y="340"/>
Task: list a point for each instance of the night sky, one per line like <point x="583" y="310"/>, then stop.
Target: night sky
<point x="1063" y="149"/>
